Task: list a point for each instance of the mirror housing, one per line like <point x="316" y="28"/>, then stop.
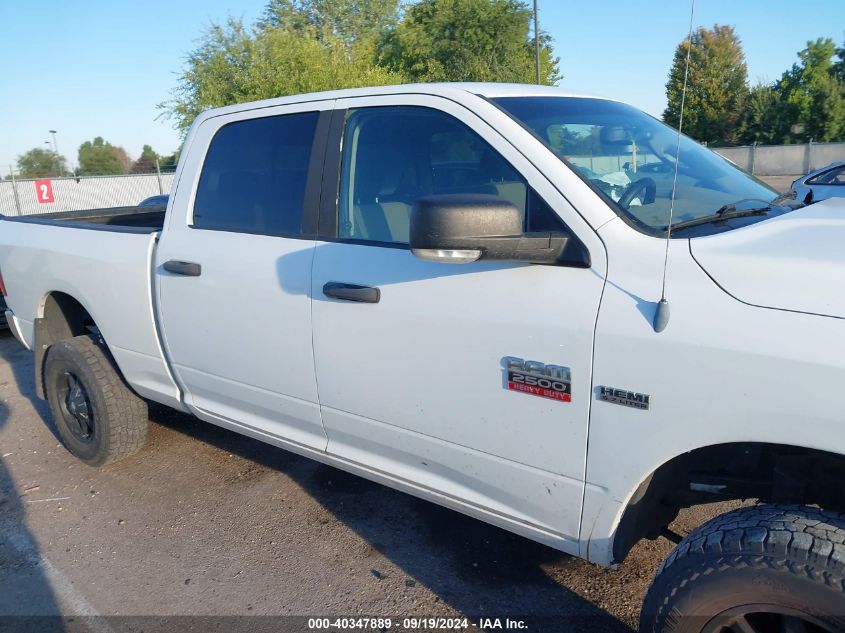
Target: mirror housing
<point x="614" y="135"/>
<point x="463" y="228"/>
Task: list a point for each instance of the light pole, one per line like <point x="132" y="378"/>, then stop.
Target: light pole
<point x="537" y="41"/>
<point x="56" y="152"/>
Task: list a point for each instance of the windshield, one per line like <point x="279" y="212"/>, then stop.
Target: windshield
<point x="630" y="156"/>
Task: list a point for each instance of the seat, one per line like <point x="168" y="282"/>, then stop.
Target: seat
<point x="502" y="177"/>
<point x="385" y="188"/>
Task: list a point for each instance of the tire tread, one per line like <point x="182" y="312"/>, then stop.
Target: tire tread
<point x="801" y="541"/>
<point x="125" y="417"/>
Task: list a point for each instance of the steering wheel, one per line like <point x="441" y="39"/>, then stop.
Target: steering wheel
<point x="645" y="189"/>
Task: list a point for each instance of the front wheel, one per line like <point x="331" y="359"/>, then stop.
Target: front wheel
<point x="761" y="569"/>
<point x="98" y="417"/>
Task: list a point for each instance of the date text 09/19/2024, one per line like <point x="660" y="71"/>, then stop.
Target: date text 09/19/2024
<point x="416" y="624"/>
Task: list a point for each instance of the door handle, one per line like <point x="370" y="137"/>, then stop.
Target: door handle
<point x="351" y="292"/>
<point x="189" y="269"/>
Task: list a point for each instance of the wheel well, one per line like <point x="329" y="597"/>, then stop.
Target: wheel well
<point x="773" y="473"/>
<point x="62" y="317"/>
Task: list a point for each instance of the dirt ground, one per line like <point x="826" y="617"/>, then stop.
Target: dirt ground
<point x="204" y="522"/>
<point x="779" y="183"/>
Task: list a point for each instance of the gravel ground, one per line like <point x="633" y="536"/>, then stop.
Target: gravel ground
<point x="779" y="183"/>
<point x="204" y="522"/>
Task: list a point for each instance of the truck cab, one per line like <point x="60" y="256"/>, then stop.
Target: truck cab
<point x="452" y="289"/>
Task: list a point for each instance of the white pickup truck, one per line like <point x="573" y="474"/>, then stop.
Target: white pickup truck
<point x="452" y="290"/>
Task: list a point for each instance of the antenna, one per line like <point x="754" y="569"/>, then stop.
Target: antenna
<point x="661" y="315"/>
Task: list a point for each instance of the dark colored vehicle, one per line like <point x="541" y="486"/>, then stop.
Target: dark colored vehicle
<point x="155" y="201"/>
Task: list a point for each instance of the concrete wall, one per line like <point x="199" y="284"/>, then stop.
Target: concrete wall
<point x="783" y="160"/>
<point x="90" y="192"/>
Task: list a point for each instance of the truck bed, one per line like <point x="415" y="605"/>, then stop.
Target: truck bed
<point x="118" y="219"/>
<point x="102" y="259"/>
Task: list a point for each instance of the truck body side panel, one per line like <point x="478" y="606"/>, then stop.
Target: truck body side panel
<point x="108" y="273"/>
<point x="721" y="372"/>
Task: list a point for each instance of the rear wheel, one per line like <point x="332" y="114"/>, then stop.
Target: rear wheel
<point x="762" y="569"/>
<point x="98" y="417"/>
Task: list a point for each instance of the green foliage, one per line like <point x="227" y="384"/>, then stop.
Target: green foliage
<point x="311" y="45"/>
<point x="99" y="158"/>
<point x="169" y="163"/>
<point x="838" y="69"/>
<point x="762" y="119"/>
<point x="717" y="86"/>
<point x="348" y="21"/>
<point x="807" y="102"/>
<point x="468" y="40"/>
<point x="40" y="163"/>
<point x="146" y="163"/>
<point x="813" y="97"/>
<point x="233" y="65"/>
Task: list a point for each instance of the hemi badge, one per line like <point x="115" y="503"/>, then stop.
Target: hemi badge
<point x="624" y="397"/>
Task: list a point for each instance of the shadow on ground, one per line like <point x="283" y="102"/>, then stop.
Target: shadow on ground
<point x="27" y="601"/>
<point x="471" y="567"/>
<point x="475" y="568"/>
<point x="21" y="361"/>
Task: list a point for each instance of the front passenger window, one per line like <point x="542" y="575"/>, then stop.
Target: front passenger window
<point x="394" y="155"/>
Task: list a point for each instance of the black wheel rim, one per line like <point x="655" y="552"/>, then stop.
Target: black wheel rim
<point x="766" y="618"/>
<point x="76" y="407"/>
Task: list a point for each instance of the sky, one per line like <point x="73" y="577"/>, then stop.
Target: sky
<point x="99" y="67"/>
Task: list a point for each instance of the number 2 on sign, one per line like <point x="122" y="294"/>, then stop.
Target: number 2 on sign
<point x="44" y="191"/>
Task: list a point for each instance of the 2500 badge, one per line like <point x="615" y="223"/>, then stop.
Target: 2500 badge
<point x="538" y="379"/>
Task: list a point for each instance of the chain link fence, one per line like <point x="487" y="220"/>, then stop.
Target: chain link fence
<point x="77" y="193"/>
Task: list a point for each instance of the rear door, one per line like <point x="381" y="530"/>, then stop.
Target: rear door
<point x="234" y="271"/>
<point x="415" y="379"/>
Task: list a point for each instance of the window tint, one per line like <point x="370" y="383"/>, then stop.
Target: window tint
<point x="254" y="175"/>
<point x="392" y="156"/>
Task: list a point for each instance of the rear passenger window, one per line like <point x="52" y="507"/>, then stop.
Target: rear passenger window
<point x="254" y="176"/>
<point x="394" y="155"/>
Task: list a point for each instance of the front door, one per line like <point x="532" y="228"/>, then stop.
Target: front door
<point x="415" y="379"/>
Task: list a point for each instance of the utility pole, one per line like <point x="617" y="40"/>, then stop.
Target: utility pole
<point x="56" y="152"/>
<point x="15" y="190"/>
<point x="537" y="42"/>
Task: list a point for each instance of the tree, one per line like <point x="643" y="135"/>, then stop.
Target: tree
<point x="838" y="69"/>
<point x="717" y="85"/>
<point x="763" y="117"/>
<point x="348" y="21"/>
<point x="146" y="162"/>
<point x="100" y="158"/>
<point x="39" y="163"/>
<point x="813" y="97"/>
<point x="233" y="65"/>
<point x="468" y="40"/>
<point x="311" y="45"/>
<point x="169" y="163"/>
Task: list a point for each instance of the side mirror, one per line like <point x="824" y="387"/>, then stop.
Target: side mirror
<point x="463" y="228"/>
